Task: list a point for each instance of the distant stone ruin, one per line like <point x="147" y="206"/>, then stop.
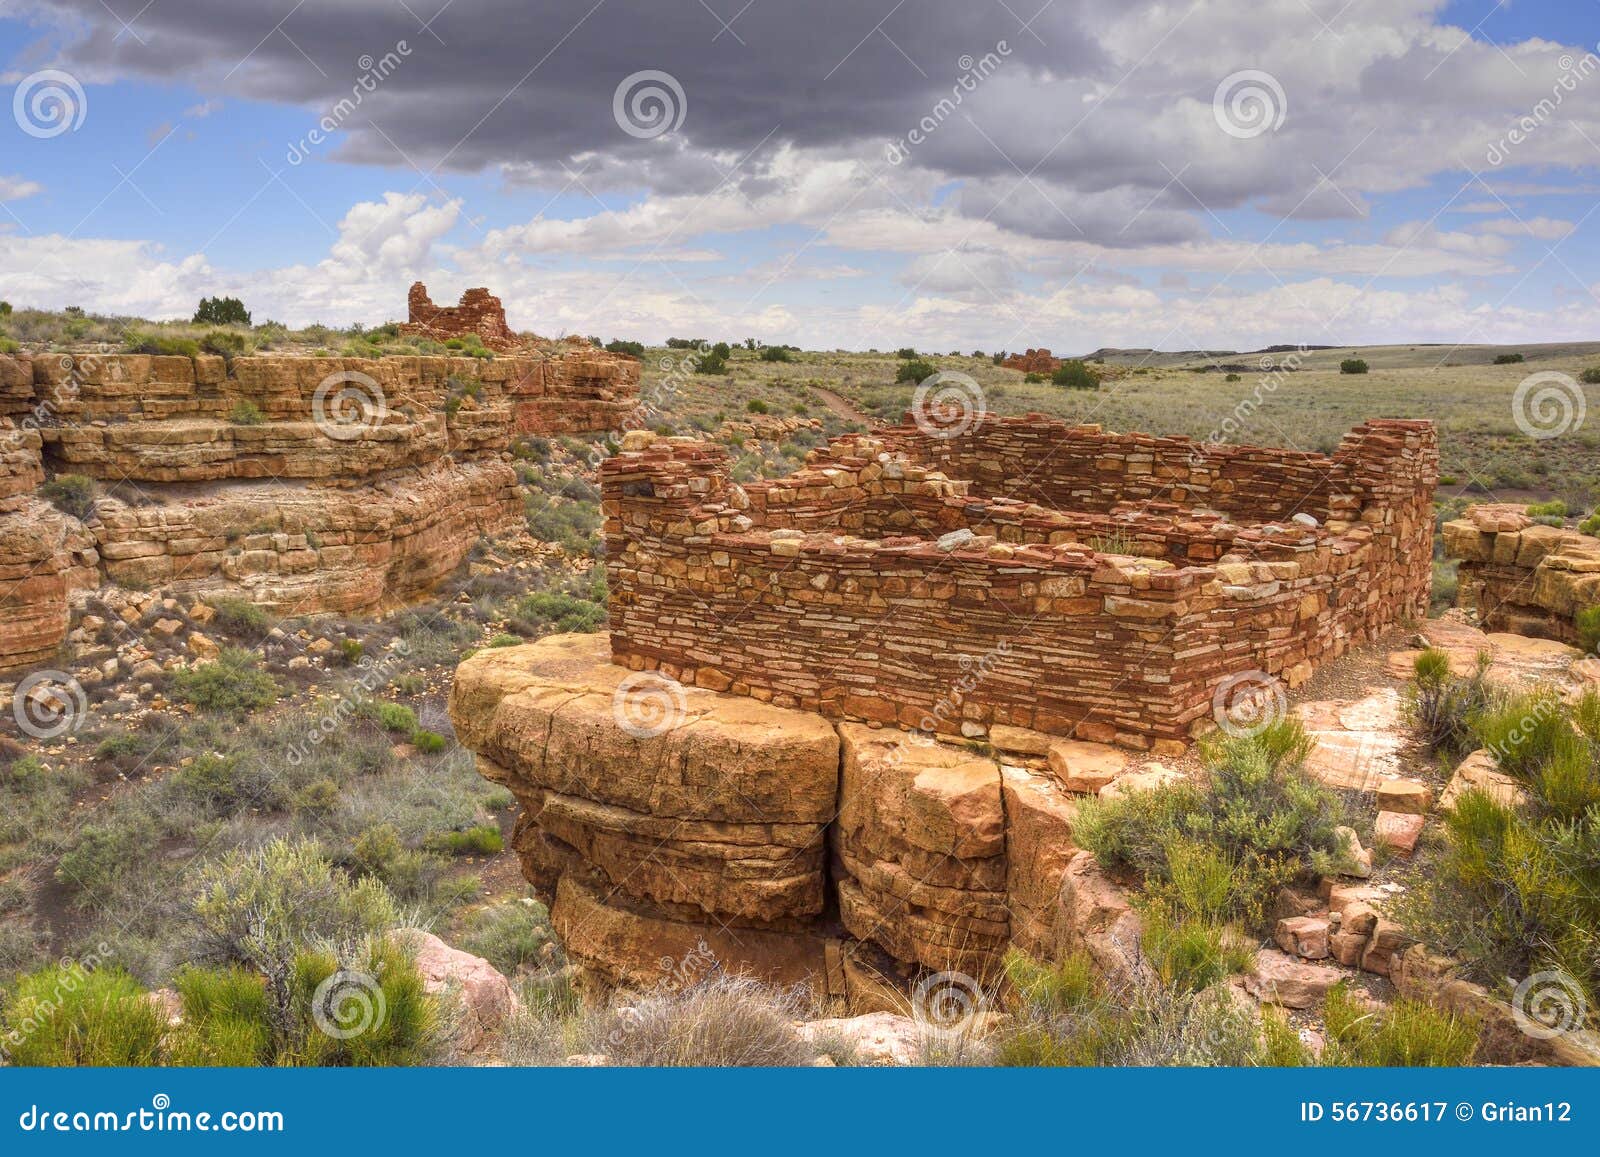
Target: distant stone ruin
<point x="1036" y="361"/>
<point x="1108" y="583"/>
<point x="479" y="312"/>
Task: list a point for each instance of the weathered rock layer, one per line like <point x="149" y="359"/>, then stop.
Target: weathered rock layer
<point x="305" y="484"/>
<point x="660" y="817"/>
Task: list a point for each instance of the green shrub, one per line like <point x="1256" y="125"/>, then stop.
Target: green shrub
<point x="1516" y="889"/>
<point x="246" y="413"/>
<point x="1408" y="1033"/>
<point x="140" y="343"/>
<point x="221" y="311"/>
<point x="512" y="936"/>
<point x="8" y="346"/>
<point x="429" y="742"/>
<point x="776" y="353"/>
<point x="564" y="612"/>
<point x="226" y="1018"/>
<point x="711" y="363"/>
<point x="756" y="406"/>
<point x="231" y="684"/>
<point x="1507" y="359"/>
<point x="103" y="853"/>
<point x="632" y="348"/>
<point x="376" y="996"/>
<point x="1587" y="624"/>
<point x="67" y="1016"/>
<point x="1353" y="366"/>
<point x="1232" y="378"/>
<point x="905" y="353"/>
<point x="72" y="494"/>
<point x="1555" y="508"/>
<point x="397" y="717"/>
<point x="1221" y="844"/>
<point x="1075" y="376"/>
<point x="1591" y="525"/>
<point x="1590" y="376"/>
<point x="1443" y="708"/>
<point x="916" y="370"/>
<point x="241" y="618"/>
<point x="481" y="840"/>
<point x="504" y="640"/>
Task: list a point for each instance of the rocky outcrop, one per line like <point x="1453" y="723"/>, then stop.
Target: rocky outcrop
<point x="1521" y="576"/>
<point x="305" y="484"/>
<point x="665" y="819"/>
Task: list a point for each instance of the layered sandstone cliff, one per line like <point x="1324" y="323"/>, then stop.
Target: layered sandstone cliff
<point x="659" y="818"/>
<point x="304" y="484"/>
<point x="1520" y="576"/>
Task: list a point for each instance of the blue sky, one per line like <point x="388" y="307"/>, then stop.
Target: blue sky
<point x="1089" y="188"/>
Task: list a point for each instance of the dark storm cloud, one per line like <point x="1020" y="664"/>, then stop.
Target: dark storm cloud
<point x="532" y="84"/>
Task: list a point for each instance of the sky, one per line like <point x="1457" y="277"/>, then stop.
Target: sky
<point x="947" y="174"/>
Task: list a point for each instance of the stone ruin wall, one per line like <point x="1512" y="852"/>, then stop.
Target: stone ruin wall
<point x="272" y="508"/>
<point x="1039" y="361"/>
<point x="1520" y="576"/>
<point x="830" y="590"/>
<point x="479" y="312"/>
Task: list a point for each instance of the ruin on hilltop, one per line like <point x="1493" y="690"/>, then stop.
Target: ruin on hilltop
<point x="479" y="312"/>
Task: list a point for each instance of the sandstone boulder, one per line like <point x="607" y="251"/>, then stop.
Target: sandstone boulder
<point x="486" y="996"/>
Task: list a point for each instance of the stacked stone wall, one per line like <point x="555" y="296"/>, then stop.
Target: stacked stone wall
<point x="901" y="579"/>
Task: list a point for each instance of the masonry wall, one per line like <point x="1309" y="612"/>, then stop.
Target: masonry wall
<point x="832" y="590"/>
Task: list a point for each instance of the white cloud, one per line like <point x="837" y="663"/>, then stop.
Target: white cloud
<point x="16" y="188"/>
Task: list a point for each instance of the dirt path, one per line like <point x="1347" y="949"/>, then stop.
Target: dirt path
<point x="841" y="406"/>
